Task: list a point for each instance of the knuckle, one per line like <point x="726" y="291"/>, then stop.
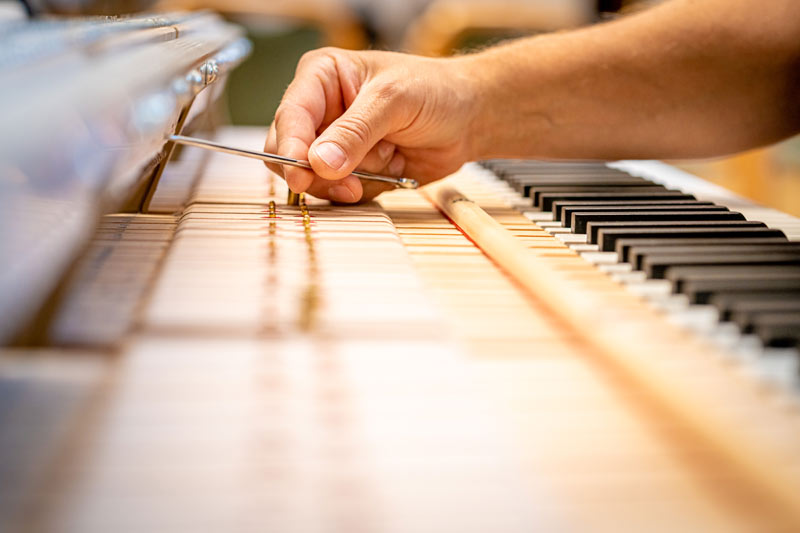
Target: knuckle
<point x="355" y="129"/>
<point x="309" y="57"/>
<point x="317" y="55"/>
<point x="280" y="113"/>
<point x="328" y="50"/>
<point x="387" y="91"/>
<point x="285" y="113"/>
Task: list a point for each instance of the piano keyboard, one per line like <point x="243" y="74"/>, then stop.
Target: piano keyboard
<point x="719" y="264"/>
<point x="370" y="368"/>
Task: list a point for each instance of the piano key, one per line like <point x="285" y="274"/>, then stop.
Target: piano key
<point x="593" y="229"/>
<point x="567" y="211"/>
<point x="524" y="185"/>
<point x="537" y="192"/>
<point x="558" y="207"/>
<point x="546" y="199"/>
<point x="728" y="301"/>
<point x="558" y="177"/>
<point x="512" y="172"/>
<point x="638" y="254"/>
<point x="580" y="220"/>
<point x="609" y="236"/>
<point x="624" y="246"/>
<point x="656" y="266"/>
<point x="510" y="168"/>
<point x="777" y="329"/>
<point x="698" y="283"/>
<point x="744" y="313"/>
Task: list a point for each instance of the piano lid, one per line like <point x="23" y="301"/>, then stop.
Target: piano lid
<point x="86" y="105"/>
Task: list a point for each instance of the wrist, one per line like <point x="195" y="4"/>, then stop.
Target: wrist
<point x="481" y="89"/>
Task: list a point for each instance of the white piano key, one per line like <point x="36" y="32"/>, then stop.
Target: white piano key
<point x="616" y="268"/>
<point x="635" y="276"/>
<point x="601" y="258"/>
<point x="584" y="247"/>
<point x="671" y="303"/>
<point x="698" y="318"/>
<point x="570" y="238"/>
<point x="657" y="288"/>
<point x="538" y="216"/>
<point x="780" y="366"/>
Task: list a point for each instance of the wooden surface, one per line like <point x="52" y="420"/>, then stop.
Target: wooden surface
<point x="373" y="369"/>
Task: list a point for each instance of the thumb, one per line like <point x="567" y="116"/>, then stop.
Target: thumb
<point x="345" y="143"/>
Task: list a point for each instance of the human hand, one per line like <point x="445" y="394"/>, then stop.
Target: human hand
<point x="381" y="112"/>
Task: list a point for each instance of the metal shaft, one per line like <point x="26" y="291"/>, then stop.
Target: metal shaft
<point x="403" y="183"/>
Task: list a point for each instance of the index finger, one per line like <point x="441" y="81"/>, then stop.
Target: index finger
<point x="302" y="110"/>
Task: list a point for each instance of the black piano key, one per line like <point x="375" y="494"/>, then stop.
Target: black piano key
<point x="525" y="187"/>
<point x="593" y="229"/>
<point x="624" y="246"/>
<point x="655" y="266"/>
<point x="559" y="207"/>
<point x="727" y="302"/>
<point x="779" y="330"/>
<point x="702" y="287"/>
<point x="701" y="291"/>
<point x="551" y="170"/>
<point x="608" y="236"/>
<point x="647" y="187"/>
<point x="546" y="199"/>
<point x="524" y="183"/>
<point x="567" y="211"/>
<point x="511" y="167"/>
<point x="580" y="220"/>
<point x="736" y="278"/>
<point x="744" y="314"/>
<point x="638" y="254"/>
<point x="588" y="175"/>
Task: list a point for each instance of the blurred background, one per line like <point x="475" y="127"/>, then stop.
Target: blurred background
<point x="282" y="30"/>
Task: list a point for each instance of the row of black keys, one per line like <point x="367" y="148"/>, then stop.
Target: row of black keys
<point x="749" y="271"/>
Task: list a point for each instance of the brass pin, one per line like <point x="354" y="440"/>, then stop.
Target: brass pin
<point x="293" y="198"/>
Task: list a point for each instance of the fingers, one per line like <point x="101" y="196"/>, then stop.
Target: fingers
<point x="311" y="98"/>
<point x="329" y="97"/>
<point x="271" y="146"/>
<point x="347" y="191"/>
<point x="347" y="141"/>
<point x="352" y="189"/>
<point x="294" y="142"/>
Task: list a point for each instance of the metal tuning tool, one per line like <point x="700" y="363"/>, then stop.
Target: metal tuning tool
<point x="402" y="183"/>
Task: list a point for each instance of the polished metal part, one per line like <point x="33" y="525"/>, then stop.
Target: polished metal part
<point x="210" y="71"/>
<point x="402" y="183"/>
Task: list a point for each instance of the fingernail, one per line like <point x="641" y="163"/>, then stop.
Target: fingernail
<point x="331" y="154"/>
<point x="340" y="193"/>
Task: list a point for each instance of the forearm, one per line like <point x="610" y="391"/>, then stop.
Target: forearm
<point x="687" y="79"/>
